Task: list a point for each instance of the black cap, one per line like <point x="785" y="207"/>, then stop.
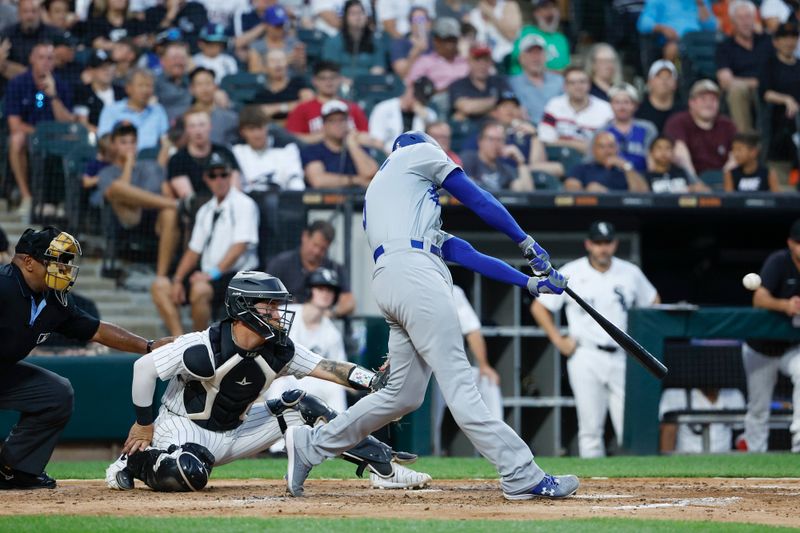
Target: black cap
<point x="65" y="39"/>
<point x="601" y="231"/>
<point x="507" y="96"/>
<point x="217" y="160"/>
<point x="424" y="89"/>
<point x="794" y="232"/>
<point x="35" y="243"/>
<point x="123" y="127"/>
<point x="787" y="29"/>
<point x="99" y="58"/>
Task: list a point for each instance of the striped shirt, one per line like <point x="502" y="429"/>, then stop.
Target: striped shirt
<point x="562" y="122"/>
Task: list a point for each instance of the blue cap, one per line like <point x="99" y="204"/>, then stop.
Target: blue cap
<point x="213" y="33"/>
<point x="275" y="15"/>
<point x="413" y="137"/>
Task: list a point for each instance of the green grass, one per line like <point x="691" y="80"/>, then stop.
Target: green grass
<point x="81" y="524"/>
<point x="736" y="465"/>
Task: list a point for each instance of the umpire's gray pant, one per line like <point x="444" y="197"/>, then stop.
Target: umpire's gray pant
<point x="414" y="291"/>
<point x="44" y="401"/>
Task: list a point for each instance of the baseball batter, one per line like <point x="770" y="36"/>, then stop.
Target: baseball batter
<point x="414" y="290"/>
<point x="596" y="364"/>
<point x="212" y="412"/>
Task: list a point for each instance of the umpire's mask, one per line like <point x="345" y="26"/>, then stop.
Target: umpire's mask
<point x="59" y="252"/>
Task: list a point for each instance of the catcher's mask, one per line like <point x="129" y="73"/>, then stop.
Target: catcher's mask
<point x="260" y="300"/>
<point x="59" y="252"/>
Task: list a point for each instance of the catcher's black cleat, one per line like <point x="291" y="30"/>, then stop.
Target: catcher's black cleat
<point x="11" y="479"/>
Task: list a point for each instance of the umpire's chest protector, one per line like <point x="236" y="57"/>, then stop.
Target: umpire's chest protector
<point x="224" y="384"/>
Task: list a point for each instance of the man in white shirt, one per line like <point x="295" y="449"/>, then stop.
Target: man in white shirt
<point x="571" y="119"/>
<point x="224" y="241"/>
<point x="263" y="166"/>
<point x="408" y="111"/>
<point x="596" y="364"/>
<point x="688" y="438"/>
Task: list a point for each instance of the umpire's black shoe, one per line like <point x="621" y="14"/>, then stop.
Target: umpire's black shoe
<point x="11" y="479"/>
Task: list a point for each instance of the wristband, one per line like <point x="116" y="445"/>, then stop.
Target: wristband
<point x="144" y="415"/>
<point x="360" y="378"/>
<point x="149" y="347"/>
<point x="214" y="273"/>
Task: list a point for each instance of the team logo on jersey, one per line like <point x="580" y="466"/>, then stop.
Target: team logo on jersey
<point x="42" y="337"/>
<point x="244" y="382"/>
<point x="433" y="194"/>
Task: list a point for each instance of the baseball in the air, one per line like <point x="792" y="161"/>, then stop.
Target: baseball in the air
<point x="751" y="281"/>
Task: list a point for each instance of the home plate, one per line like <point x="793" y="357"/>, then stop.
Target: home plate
<point x="601" y="496"/>
<point x="687" y="502"/>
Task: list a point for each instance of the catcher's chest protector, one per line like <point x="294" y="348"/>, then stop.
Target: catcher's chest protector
<point x="223" y="393"/>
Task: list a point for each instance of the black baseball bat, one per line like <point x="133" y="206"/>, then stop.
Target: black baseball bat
<point x="628" y="343"/>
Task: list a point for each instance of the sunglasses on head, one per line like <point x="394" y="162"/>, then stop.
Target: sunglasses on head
<point x="221" y="174"/>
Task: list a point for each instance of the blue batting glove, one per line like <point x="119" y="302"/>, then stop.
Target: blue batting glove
<point x="538" y="258"/>
<point x="553" y="283"/>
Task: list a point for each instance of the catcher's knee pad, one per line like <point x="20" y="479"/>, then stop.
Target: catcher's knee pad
<point x="313" y="410"/>
<point x="182" y="468"/>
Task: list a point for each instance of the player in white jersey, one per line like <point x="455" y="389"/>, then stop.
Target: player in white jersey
<point x="213" y="413"/>
<point x="414" y="290"/>
<point x="596" y="364"/>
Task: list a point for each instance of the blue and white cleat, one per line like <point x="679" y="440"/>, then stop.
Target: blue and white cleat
<point x="553" y="487"/>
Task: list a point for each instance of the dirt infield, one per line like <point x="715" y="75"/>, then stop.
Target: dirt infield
<point x="762" y="501"/>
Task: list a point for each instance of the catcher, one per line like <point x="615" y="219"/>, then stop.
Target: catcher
<point x="212" y="412"/>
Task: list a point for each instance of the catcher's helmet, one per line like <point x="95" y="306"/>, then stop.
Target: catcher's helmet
<point x="249" y="288"/>
<point x="413" y="137"/>
<point x="59" y="252"/>
<point x="324" y="277"/>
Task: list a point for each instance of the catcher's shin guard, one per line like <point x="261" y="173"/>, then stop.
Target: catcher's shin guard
<point x="184" y="468"/>
<point x="369" y="453"/>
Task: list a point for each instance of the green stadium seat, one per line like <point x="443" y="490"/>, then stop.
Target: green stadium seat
<point x="698" y="56"/>
<point x="543" y="181"/>
<point x="76" y="206"/>
<point x="461" y="131"/>
<point x="569" y="157"/>
<point x="314" y="41"/>
<point x="242" y="87"/>
<point x="712" y="178"/>
<point x="148" y="154"/>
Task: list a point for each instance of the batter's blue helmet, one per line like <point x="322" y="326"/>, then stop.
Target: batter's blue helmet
<point x="413" y="137"/>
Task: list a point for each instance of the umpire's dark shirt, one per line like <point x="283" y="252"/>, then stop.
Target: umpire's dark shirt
<point x="18" y="335"/>
<point x="288" y="268"/>
<point x="780" y="277"/>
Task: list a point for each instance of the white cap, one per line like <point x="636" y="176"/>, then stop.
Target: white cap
<point x="660" y="65"/>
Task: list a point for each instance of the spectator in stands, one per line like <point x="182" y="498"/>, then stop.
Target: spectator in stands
<point x="57" y="13"/>
<point x="139" y="196"/>
<point x="487" y="167"/>
<point x="633" y="135"/>
<point x="661" y="103"/>
<point x="34" y="96"/>
<point x="64" y="65"/>
<point x="338" y="160"/>
<point x="779" y="85"/>
<point x="393" y="15"/>
<point x="607" y="172"/>
<point x="442" y="134"/>
<point x="327" y="15"/>
<point x="276" y="37"/>
<point x="408" y="111"/>
<point x="405" y="50"/>
<point x="670" y="19"/>
<point x="187" y="15"/>
<point x="99" y="92"/>
<point x="172" y="86"/>
<point x="664" y="176"/>
<point x="224" y="241"/>
<point x="498" y="23"/>
<point x="8" y="15"/>
<point x="222" y="11"/>
<point x="535" y="85"/>
<point x="247" y="25"/>
<point x="292" y="267"/>
<point x="702" y="136"/>
<point x="456" y="9"/>
<point x="150" y="119"/>
<point x="684" y="438"/>
<point x="571" y="119"/>
<point x="475" y="95"/>
<point x="739" y="59"/>
<point x="305" y="120"/>
<point x="264" y="167"/>
<point x="213" y="43"/>
<point x="18" y="40"/>
<point x="281" y="92"/>
<point x="764" y="358"/>
<point x="186" y="166"/>
<point x="356" y="49"/>
<point x="546" y="20"/>
<point x="604" y="69"/>
<point x="124" y="54"/>
<point x="443" y="66"/>
<point x="749" y="175"/>
<point x="224" y="122"/>
<point x="110" y="22"/>
<point x="775" y="12"/>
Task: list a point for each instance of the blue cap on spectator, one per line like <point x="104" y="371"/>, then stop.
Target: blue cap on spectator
<point x="213" y="33"/>
<point x="275" y="15"/>
<point x="169" y="35"/>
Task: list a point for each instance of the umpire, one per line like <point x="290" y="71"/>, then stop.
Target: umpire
<point x="34" y="289"/>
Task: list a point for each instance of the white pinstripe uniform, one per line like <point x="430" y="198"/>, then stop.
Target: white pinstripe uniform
<point x="259" y="429"/>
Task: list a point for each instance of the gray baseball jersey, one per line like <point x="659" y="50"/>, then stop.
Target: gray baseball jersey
<point x="402" y="201"/>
